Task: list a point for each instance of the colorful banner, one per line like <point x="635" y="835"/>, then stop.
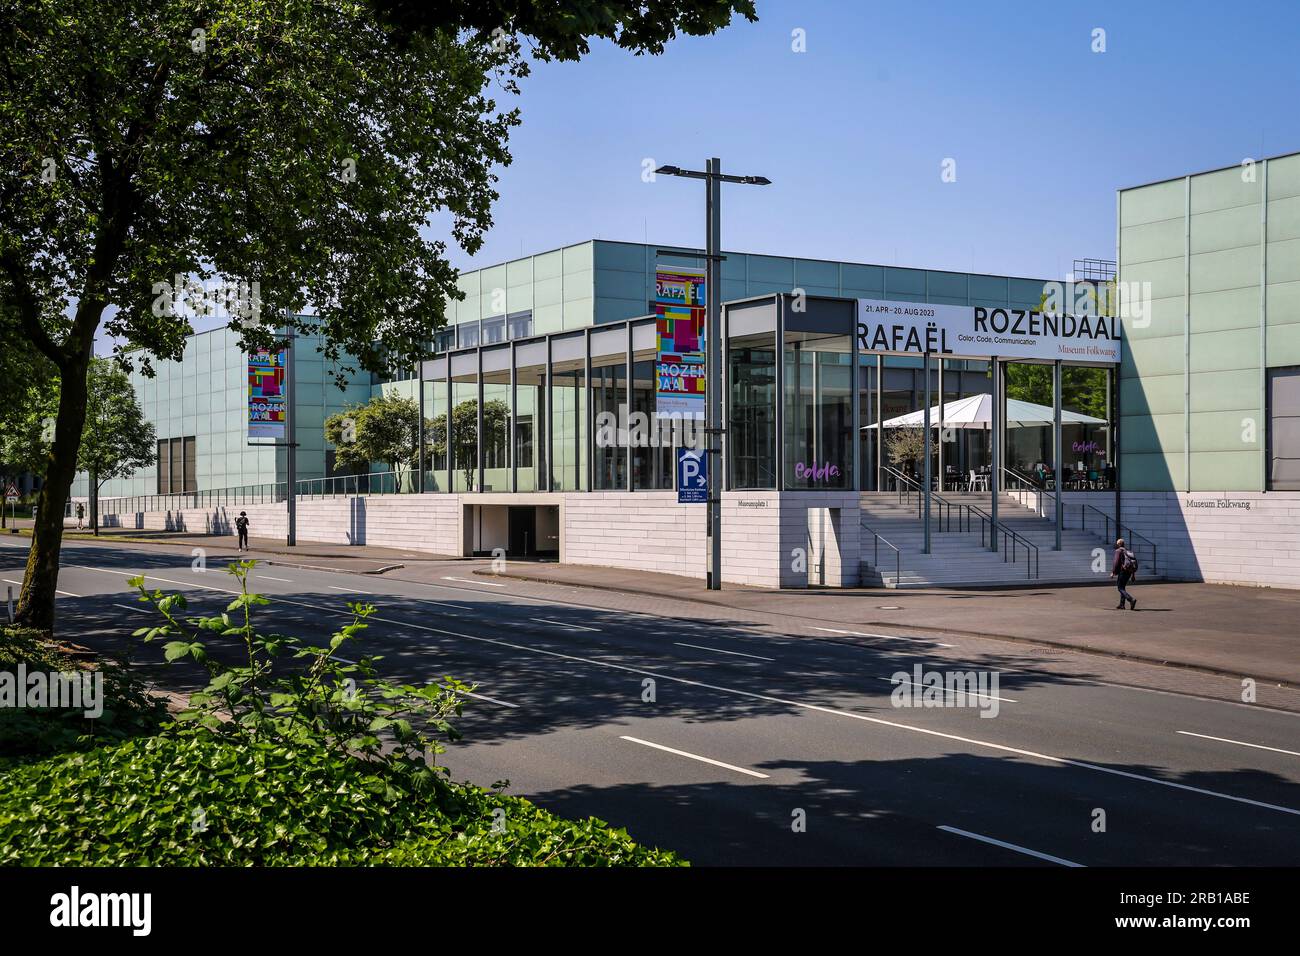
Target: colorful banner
<point x="679" y="305"/>
<point x="266" y="395"/>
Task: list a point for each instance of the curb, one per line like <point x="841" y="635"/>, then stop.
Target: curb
<point x="1286" y="683"/>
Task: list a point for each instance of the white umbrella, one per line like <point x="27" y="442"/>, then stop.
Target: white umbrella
<point x="976" y="411"/>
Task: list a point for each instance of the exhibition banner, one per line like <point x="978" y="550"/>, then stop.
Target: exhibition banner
<point x="679" y="306"/>
<point x="914" y="328"/>
<point x="266" y="395"/>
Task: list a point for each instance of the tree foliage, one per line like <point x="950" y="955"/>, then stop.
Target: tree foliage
<point x="561" y="29"/>
<point x="464" y="434"/>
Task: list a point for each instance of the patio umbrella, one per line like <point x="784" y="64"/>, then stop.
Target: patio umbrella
<point x="975" y="411"/>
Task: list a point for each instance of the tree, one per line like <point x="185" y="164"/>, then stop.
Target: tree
<point x="298" y="150"/>
<point x="385" y="429"/>
<point x="906" y="446"/>
<point x="117" y="441"/>
<point x="561" y="29"/>
<point x="29" y="393"/>
<point x="464" y="434"/>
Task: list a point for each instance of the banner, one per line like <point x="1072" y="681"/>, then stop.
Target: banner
<point x="913" y="328"/>
<point x="679" y="305"/>
<point x="266" y="395"/>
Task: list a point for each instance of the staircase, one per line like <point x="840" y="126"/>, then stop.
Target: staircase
<point x="959" y="555"/>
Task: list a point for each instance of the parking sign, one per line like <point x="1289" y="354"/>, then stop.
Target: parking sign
<point x="692" y="476"/>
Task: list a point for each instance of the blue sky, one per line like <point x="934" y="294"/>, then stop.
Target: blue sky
<point x="853" y="131"/>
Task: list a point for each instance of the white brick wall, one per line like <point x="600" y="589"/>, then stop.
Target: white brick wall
<point x="1255" y="541"/>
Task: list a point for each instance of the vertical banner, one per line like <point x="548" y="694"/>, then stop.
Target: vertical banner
<point x="680" y="323"/>
<point x="266" y="398"/>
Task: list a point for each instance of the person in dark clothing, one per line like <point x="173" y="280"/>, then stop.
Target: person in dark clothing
<point x="1123" y="568"/>
<point x="241" y="525"/>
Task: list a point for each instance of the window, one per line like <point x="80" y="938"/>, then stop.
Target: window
<point x="494" y="330"/>
<point x="520" y="324"/>
<point x="177" y="473"/>
<point x="467" y="335"/>
<point x="1283" y="434"/>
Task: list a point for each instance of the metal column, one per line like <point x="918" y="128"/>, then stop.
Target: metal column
<point x="511" y="457"/>
<point x="939" y="465"/>
<point x="995" y="462"/>
<point x="925" y="472"/>
<point x="420" y="450"/>
<point x="855" y="412"/>
<point x="291" y="424"/>
<point x="1058" y="449"/>
<point x="713" y="352"/>
<point x="630" y="392"/>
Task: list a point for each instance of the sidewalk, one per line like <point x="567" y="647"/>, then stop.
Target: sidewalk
<point x="1242" y="632"/>
<point x="357" y="559"/>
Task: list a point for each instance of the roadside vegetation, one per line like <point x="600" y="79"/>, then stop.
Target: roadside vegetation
<point x="290" y="755"/>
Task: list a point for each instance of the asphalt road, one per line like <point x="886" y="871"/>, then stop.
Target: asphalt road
<point x="737" y="744"/>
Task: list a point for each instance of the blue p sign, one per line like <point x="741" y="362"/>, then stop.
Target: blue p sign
<point x="692" y="476"/>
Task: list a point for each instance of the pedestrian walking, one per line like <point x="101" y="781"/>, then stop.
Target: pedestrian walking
<point x="1124" y="569"/>
<point x="241" y="526"/>
<point x="81" y="514"/>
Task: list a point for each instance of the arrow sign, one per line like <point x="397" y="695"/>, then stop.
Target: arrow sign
<point x="692" y="477"/>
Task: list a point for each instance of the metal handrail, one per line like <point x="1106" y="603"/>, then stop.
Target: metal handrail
<point x="1123" y="531"/>
<point x="945" y="506"/>
<point x="996" y="527"/>
<point x="875" y="561"/>
<point x="344" y="486"/>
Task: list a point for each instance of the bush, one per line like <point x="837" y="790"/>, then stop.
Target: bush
<point x="192" y="799"/>
<point x="28" y="733"/>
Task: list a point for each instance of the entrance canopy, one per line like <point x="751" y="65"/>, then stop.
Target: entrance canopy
<point x="976" y="411"/>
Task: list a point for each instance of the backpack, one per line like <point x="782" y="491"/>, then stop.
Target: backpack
<point x="1130" y="564"/>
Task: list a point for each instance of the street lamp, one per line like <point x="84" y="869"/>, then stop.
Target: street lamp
<point x="713" y="177"/>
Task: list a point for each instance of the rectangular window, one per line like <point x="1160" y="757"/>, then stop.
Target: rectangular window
<point x="164" y="468"/>
<point x="1283" y="433"/>
<point x="494" y="330"/>
<point x="177" y="471"/>
<point x="191" y="480"/>
<point x="520" y="324"/>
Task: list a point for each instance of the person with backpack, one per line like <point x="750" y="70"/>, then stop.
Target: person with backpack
<point x="1124" y="568"/>
<point x="241" y="526"/>
<point x="81" y="514"/>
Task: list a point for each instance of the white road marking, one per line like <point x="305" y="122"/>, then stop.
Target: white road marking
<point x="953" y="690"/>
<point x="490" y="700"/>
<point x="835" y="712"/>
<point x="56" y="590"/>
<point x="1240" y="743"/>
<point x="718" y="650"/>
<point x="887" y="637"/>
<point x="349" y="590"/>
<point x="267" y="577"/>
<point x="128" y="607"/>
<point x="576" y="627"/>
<point x="1011" y="846"/>
<point x="486" y="584"/>
<point x="683" y="753"/>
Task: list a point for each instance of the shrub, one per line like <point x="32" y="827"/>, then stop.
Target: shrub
<point x="27" y="733"/>
<point x="194" y="799"/>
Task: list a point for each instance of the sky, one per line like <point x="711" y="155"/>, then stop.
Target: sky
<point x="854" y="132"/>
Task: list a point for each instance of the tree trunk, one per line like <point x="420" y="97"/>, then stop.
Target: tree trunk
<point x="36" y="601"/>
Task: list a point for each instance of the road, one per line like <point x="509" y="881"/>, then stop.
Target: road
<point x="746" y="742"/>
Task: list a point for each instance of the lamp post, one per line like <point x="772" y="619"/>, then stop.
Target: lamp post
<point x="713" y="179"/>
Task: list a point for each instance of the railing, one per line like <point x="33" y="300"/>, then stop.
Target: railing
<point x="237" y="495"/>
<point x="875" y="560"/>
<point x="344" y="486"/>
<point x="906" y="487"/>
<point x="990" y="529"/>
<point x="1100" y="519"/>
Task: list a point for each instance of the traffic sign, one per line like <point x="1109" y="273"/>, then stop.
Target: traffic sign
<point x="692" y="477"/>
